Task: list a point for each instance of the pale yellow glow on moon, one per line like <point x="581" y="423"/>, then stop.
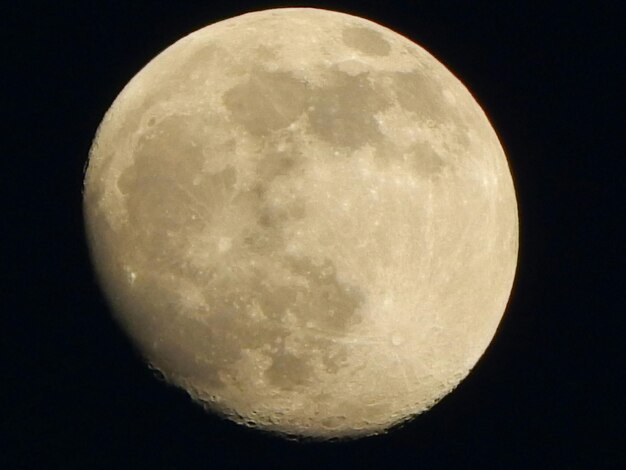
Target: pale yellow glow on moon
<point x="305" y="220"/>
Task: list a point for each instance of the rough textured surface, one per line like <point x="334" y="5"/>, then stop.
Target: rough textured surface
<point x="303" y="219"/>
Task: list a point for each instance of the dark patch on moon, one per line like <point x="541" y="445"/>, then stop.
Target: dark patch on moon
<point x="275" y="165"/>
<point x="288" y="370"/>
<point x="422" y="94"/>
<point x="343" y="113"/>
<point x="331" y="305"/>
<point x="202" y="59"/>
<point x="420" y="159"/>
<point x="272" y="216"/>
<point x="163" y="192"/>
<point x="425" y="161"/>
<point x="266" y="53"/>
<point x="267" y="101"/>
<point x="365" y="40"/>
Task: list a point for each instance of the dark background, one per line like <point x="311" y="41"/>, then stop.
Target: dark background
<point x="549" y="392"/>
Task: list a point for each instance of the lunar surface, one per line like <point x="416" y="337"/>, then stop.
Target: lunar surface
<point x="304" y="220"/>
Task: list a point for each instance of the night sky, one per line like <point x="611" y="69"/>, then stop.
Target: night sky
<point x="550" y="390"/>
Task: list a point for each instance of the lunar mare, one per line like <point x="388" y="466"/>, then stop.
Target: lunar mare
<point x="304" y="220"/>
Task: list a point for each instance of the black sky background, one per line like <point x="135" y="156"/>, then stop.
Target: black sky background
<point x="549" y="392"/>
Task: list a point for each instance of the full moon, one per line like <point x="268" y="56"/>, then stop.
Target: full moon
<point x="304" y="220"/>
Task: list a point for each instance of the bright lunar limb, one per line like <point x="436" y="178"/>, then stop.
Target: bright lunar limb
<point x="303" y="219"/>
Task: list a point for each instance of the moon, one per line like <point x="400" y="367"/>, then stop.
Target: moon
<point x="304" y="220"/>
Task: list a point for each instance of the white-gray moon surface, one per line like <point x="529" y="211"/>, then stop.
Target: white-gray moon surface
<point x="303" y="219"/>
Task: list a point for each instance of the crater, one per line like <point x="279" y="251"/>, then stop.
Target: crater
<point x="333" y="422"/>
<point x="366" y="40"/>
<point x="267" y="101"/>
